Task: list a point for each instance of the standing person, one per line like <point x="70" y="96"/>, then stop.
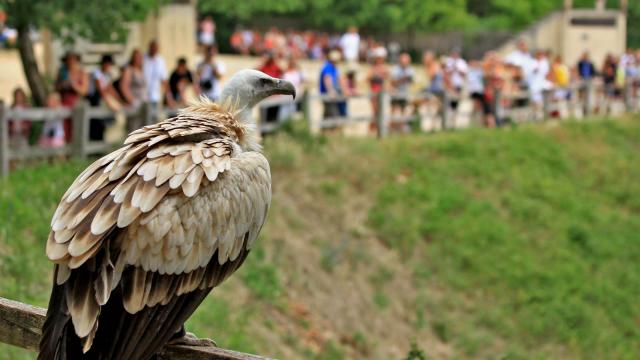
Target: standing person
<point x="155" y="74"/>
<point x="586" y="69"/>
<point x="401" y="80"/>
<point x="207" y="33"/>
<point x="609" y="72"/>
<point x="210" y="72"/>
<point x="475" y="86"/>
<point x="179" y="80"/>
<point x="19" y="129"/>
<point x="101" y="91"/>
<point x="455" y="70"/>
<point x="270" y="67"/>
<point x="294" y="75"/>
<point x="536" y="79"/>
<point x="331" y="87"/>
<point x="350" y="45"/>
<point x="72" y="83"/>
<point x="560" y="76"/>
<point x="378" y="75"/>
<point x="434" y="73"/>
<point x="53" y="131"/>
<point x="133" y="86"/>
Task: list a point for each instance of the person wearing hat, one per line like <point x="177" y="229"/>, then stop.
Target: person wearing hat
<point x="101" y="91"/>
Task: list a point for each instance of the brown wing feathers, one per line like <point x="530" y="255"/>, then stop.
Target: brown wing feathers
<point x="127" y="238"/>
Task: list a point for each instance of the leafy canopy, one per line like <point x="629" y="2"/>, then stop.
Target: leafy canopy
<point x="103" y="20"/>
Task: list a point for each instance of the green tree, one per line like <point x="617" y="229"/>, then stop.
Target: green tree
<point x="103" y="20"/>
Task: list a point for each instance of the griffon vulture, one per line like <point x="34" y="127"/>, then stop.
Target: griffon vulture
<point x="144" y="233"/>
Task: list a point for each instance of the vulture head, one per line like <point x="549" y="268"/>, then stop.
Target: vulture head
<point x="248" y="87"/>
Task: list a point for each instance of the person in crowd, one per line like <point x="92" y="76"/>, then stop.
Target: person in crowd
<point x="210" y="72"/>
<point x="102" y="92"/>
<point x="53" y="131"/>
<point x="494" y="82"/>
<point x="132" y="86"/>
<point x="434" y="73"/>
<point x="609" y="72"/>
<point x="475" y="86"/>
<point x="455" y="70"/>
<point x="377" y="78"/>
<point x="455" y="74"/>
<point x="19" y="129"/>
<point x="72" y="83"/>
<point x="101" y="89"/>
<point x="179" y="81"/>
<point x="294" y="75"/>
<point x="560" y="77"/>
<point x="207" y="32"/>
<point x="270" y="67"/>
<point x="350" y="45"/>
<point x="156" y="78"/>
<point x="521" y="58"/>
<point x="401" y="79"/>
<point x="331" y="86"/>
<point x="586" y="69"/>
<point x="537" y="79"/>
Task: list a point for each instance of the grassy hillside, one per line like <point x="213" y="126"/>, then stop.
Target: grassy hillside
<point x="521" y="243"/>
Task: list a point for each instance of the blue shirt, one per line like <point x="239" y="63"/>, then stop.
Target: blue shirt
<point x="331" y="70"/>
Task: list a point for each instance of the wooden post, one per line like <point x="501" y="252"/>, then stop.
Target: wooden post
<point x="444" y="112"/>
<point x="80" y="123"/>
<point x="149" y="114"/>
<point x="4" y="141"/>
<point x="546" y="104"/>
<point x="588" y="98"/>
<point x="306" y="109"/>
<point x="497" y="106"/>
<point x="21" y="324"/>
<point x="628" y="95"/>
<point x="381" y="118"/>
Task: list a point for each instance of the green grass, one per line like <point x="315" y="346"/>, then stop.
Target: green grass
<point x="520" y="243"/>
<point x="534" y="236"/>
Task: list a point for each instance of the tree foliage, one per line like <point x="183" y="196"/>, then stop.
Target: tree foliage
<point x="407" y="15"/>
<point x="104" y="20"/>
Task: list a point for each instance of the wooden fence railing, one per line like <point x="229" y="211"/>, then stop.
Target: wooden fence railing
<point x="587" y="98"/>
<point x="21" y="324"/>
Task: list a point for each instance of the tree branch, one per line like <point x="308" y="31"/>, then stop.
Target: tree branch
<point x="21" y="326"/>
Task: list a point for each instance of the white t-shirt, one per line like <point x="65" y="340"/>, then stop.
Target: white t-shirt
<point x="155" y="72"/>
<point x="350" y="44"/>
<point x="205" y="74"/>
<point x="521" y="59"/>
<point x="457" y="69"/>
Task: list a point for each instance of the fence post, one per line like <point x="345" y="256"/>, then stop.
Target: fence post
<point x="628" y="95"/>
<point x="306" y="108"/>
<point x="588" y="98"/>
<point x="80" y="123"/>
<point x="4" y="141"/>
<point x="546" y="104"/>
<point x="445" y="109"/>
<point x="497" y="106"/>
<point x="381" y="115"/>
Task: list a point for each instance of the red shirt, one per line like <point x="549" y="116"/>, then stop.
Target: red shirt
<point x="271" y="69"/>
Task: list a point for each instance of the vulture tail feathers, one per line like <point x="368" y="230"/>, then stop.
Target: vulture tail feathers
<point x="121" y="335"/>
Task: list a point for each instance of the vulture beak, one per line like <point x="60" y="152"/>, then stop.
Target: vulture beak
<point x="283" y="87"/>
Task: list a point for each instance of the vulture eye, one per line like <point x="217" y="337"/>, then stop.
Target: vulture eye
<point x="264" y="81"/>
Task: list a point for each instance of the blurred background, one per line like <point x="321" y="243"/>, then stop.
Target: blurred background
<point x="456" y="179"/>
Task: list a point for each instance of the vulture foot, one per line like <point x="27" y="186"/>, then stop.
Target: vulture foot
<point x="190" y="339"/>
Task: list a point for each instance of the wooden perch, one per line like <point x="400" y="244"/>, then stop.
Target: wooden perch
<point x="21" y="324"/>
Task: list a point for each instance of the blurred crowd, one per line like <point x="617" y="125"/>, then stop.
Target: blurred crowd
<point x="530" y="74"/>
<point x="303" y="44"/>
<point x="146" y="79"/>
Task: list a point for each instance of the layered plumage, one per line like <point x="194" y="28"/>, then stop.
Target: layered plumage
<point x="145" y="233"/>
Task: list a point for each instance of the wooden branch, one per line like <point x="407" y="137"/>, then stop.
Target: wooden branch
<point x="21" y="326"/>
